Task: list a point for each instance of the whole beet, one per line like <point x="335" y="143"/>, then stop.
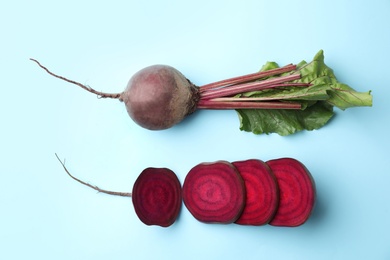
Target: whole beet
<point x="159" y="96"/>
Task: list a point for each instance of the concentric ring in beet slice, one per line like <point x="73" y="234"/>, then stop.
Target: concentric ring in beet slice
<point x="214" y="192"/>
<point x="157" y="196"/>
<point x="262" y="192"/>
<point x="297" y="192"/>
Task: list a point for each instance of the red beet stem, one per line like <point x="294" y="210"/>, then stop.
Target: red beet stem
<point x="244" y="98"/>
<point x="247" y="87"/>
<point x="242" y="104"/>
<point x="297" y="192"/>
<point x="248" y="77"/>
<point x="290" y="84"/>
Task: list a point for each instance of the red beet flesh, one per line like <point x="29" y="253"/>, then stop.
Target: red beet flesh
<point x="262" y="192"/>
<point x="297" y="192"/>
<point x="214" y="192"/>
<point x="157" y="196"/>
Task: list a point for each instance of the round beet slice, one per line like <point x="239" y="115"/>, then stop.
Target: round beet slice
<point x="157" y="196"/>
<point x="214" y="192"/>
<point x="262" y="192"/>
<point x="297" y="192"/>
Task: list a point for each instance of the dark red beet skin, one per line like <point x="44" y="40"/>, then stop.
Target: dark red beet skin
<point x="214" y="192"/>
<point x="297" y="192"/>
<point x="262" y="192"/>
<point x="157" y="196"/>
<point x="159" y="96"/>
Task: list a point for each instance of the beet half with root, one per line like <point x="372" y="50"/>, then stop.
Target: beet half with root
<point x="156" y="195"/>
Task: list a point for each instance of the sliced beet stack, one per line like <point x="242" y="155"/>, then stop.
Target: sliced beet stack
<point x="262" y="193"/>
<point x="214" y="192"/>
<point x="157" y="196"/>
<point x="297" y="192"/>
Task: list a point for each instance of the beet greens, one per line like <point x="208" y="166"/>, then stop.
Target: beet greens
<point x="280" y="100"/>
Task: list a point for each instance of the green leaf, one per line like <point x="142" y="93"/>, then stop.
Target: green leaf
<point x="269" y="66"/>
<point x="340" y="95"/>
<point x="317" y="100"/>
<point x="316" y="92"/>
<point x="343" y="97"/>
<point x="285" y="122"/>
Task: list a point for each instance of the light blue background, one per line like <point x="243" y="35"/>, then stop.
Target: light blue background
<point x="46" y="215"/>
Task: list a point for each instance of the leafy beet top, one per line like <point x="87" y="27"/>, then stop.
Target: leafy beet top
<point x="262" y="192"/>
<point x="214" y="192"/>
<point x="297" y="192"/>
<point x="157" y="196"/>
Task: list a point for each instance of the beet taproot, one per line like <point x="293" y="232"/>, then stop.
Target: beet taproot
<point x="297" y="192"/>
<point x="159" y="96"/>
<point x="262" y="192"/>
<point x="214" y="192"/>
<point x="156" y="195"/>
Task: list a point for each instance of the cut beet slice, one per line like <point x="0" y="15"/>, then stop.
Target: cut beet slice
<point x="157" y="196"/>
<point x="262" y="193"/>
<point x="297" y="192"/>
<point x="214" y="192"/>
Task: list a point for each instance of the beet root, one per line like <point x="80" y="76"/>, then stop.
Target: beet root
<point x="214" y="192"/>
<point x="297" y="192"/>
<point x="262" y="192"/>
<point x="159" y="96"/>
<point x="157" y="196"/>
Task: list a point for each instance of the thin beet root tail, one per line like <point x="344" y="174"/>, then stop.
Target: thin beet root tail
<point x="122" y="194"/>
<point x="87" y="88"/>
